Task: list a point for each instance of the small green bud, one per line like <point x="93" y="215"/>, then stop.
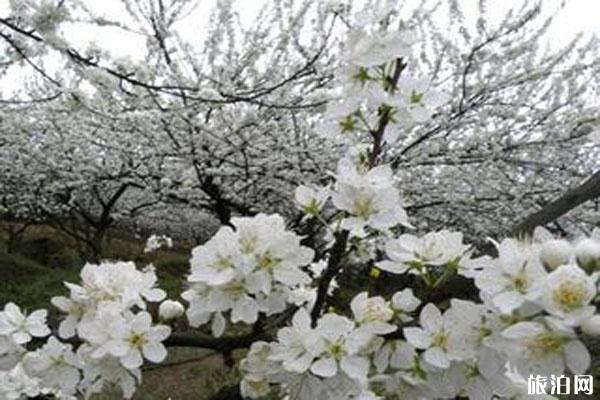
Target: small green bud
<point x="416" y="97"/>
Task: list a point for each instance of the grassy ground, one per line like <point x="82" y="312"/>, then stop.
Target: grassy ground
<point x="44" y="259"/>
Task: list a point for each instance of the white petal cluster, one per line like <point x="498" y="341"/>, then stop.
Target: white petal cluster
<point x="546" y="346"/>
<point x="434" y="249"/>
<point x="369" y="197"/>
<point x="21" y="327"/>
<point x="16" y="384"/>
<point x="442" y="338"/>
<point x="527" y="323"/>
<point x="156" y="242"/>
<point x="50" y="370"/>
<point x="245" y="271"/>
<point x="55" y="365"/>
<point x="373" y="314"/>
<point x="311" y="200"/>
<point x="365" y="90"/>
<point x="106" y="313"/>
<point x="371" y="50"/>
<point x="331" y="360"/>
<point x="119" y="285"/>
<point x="514" y="278"/>
<point x="130" y="338"/>
<point x="567" y="294"/>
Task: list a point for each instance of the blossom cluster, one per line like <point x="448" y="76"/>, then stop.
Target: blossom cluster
<point x="52" y="369"/>
<point x="105" y="315"/>
<point x="368" y="197"/>
<point x="366" y="91"/>
<point x="529" y="321"/>
<point x="244" y="270"/>
<point x="156" y="242"/>
<point x="330" y="360"/>
<point x="534" y="298"/>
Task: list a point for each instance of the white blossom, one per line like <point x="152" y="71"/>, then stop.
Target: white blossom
<point x="372" y="50"/>
<point x="567" y="294"/>
<point x="56" y="365"/>
<point x="404" y="303"/>
<point x="512" y="279"/>
<point x="22" y="327"/>
<point x="15" y="384"/>
<point x="372" y="313"/>
<point x="132" y="339"/>
<point x="155" y="242"/>
<point x="342" y="346"/>
<point x="311" y="200"/>
<point x="246" y="271"/>
<point x="298" y="345"/>
<point x="369" y="197"/>
<point x="411" y="252"/>
<point x="545" y="348"/>
<point x="441" y="336"/>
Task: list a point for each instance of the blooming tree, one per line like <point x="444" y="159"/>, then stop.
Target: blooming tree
<point x="531" y="307"/>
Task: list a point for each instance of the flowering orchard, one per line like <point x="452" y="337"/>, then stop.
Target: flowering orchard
<point x="261" y="284"/>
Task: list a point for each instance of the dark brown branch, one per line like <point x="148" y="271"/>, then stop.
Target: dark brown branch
<point x="333" y="267"/>
<point x="385" y="116"/>
<point x="589" y="190"/>
<point x="223" y="344"/>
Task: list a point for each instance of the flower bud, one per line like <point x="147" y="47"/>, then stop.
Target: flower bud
<point x="555" y="253"/>
<point x="587" y="252"/>
<point x="170" y="309"/>
<point x="591" y="326"/>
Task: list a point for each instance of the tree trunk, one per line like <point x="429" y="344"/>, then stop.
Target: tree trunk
<point x="94" y="246"/>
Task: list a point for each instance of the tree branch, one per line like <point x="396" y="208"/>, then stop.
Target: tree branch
<point x="333" y="266"/>
<point x="589" y="190"/>
<point x="228" y="393"/>
<point x="222" y="344"/>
